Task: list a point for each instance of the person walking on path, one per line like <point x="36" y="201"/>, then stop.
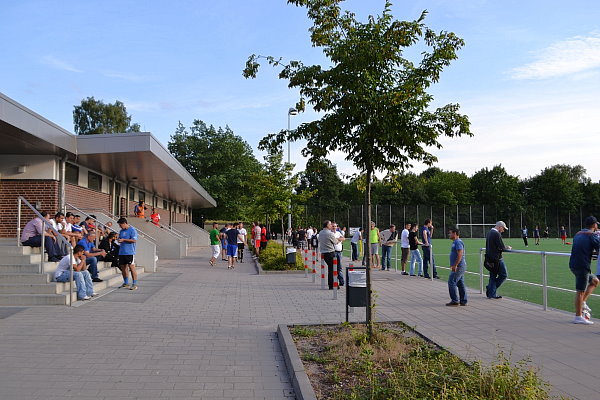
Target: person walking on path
<point x="494" y="246"/>
<point x="426" y="234"/>
<point x="388" y="238"/>
<point x="127" y="239"/>
<point x="458" y="266"/>
<point x="585" y="242"/>
<point x="404" y="246"/>
<point x="327" y="242"/>
<point x="241" y="243"/>
<point x="356" y="238"/>
<point x="233" y="235"/>
<point x="563" y="235"/>
<point x="524" y="235"/>
<point x="223" y="237"/>
<point x="215" y="244"/>
<point x="374" y="239"/>
<point x="415" y="254"/>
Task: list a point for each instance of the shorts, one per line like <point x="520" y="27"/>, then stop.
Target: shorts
<point x="257" y="244"/>
<point x="224" y="243"/>
<point x="374" y="248"/>
<point x="216" y="249"/>
<point x="405" y="251"/>
<point x="563" y="237"/>
<point x="583" y="278"/>
<point x="232" y="250"/>
<point x="124" y="260"/>
<point x="240" y="246"/>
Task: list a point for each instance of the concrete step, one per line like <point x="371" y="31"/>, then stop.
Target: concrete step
<point x="32" y="278"/>
<point x="8" y="259"/>
<point x="33" y="299"/>
<point x="18" y="250"/>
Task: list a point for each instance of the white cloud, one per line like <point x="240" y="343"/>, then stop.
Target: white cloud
<point x="124" y="76"/>
<point x="59" y="64"/>
<point x="565" y="57"/>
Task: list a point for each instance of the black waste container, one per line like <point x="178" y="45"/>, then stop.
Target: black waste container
<point x="357" y="288"/>
<point x="290" y="256"/>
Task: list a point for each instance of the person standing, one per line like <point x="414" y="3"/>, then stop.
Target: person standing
<point x="233" y="235"/>
<point x="426" y="234"/>
<point x="388" y="238"/>
<point x="309" y="234"/>
<point x="547" y="233"/>
<point x="404" y="246"/>
<point x="327" y="242"/>
<point x="223" y="236"/>
<point x="458" y="266"/>
<point x="256" y="231"/>
<point x="127" y="239"/>
<point x="215" y="244"/>
<point x="415" y="254"/>
<point x="585" y="242"/>
<point x="494" y="246"/>
<point x="563" y="235"/>
<point x="524" y="235"/>
<point x="374" y="239"/>
<point x="339" y="236"/>
<point x="264" y="239"/>
<point x="241" y="243"/>
<point x="356" y="238"/>
<point x="302" y="238"/>
<point x="536" y="235"/>
<point x="140" y="209"/>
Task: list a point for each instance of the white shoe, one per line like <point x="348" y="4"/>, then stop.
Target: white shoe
<point x="582" y="321"/>
<point x="586" y="307"/>
<point x="94" y="294"/>
<point x="86" y="298"/>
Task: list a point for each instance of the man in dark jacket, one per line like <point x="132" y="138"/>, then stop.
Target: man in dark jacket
<point x="494" y="246"/>
<point x="585" y="243"/>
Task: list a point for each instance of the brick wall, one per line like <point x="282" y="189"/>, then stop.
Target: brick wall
<point x="82" y="197"/>
<point x="43" y="191"/>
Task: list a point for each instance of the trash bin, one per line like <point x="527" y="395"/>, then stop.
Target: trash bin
<point x="290" y="255"/>
<point x="357" y="288"/>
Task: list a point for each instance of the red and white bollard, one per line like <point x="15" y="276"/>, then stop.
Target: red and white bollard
<point x="335" y="279"/>
<point x="306" y="263"/>
<point x="323" y="272"/>
<point x="314" y="266"/>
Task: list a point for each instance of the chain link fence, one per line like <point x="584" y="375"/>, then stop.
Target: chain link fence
<point x="473" y="220"/>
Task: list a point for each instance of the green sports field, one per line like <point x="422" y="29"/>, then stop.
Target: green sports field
<point x="521" y="267"/>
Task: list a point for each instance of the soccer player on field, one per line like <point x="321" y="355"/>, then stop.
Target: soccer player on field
<point x="584" y="244"/>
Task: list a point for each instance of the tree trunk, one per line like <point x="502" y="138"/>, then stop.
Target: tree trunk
<point x="368" y="254"/>
<point x="282" y="237"/>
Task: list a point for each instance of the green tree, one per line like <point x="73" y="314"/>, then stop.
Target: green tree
<point x="375" y="102"/>
<point x="498" y="189"/>
<point x="222" y="163"/>
<point x="94" y="117"/>
<point x="559" y="186"/>
<point x="321" y="177"/>
<point x="448" y="188"/>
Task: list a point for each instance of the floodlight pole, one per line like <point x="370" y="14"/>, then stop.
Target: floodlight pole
<point x="291" y="111"/>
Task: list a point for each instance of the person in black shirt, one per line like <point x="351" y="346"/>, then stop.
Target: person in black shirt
<point x="415" y="254"/>
<point x="494" y="246"/>
<point x="110" y="246"/>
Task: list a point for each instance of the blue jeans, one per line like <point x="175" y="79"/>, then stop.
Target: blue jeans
<point x="415" y="255"/>
<point x="338" y="256"/>
<point x="426" y="255"/>
<point x="457" y="280"/>
<point x="83" y="280"/>
<point x="354" y="251"/>
<point x="386" y="259"/>
<point x="92" y="263"/>
<point x="52" y="247"/>
<point x="496" y="280"/>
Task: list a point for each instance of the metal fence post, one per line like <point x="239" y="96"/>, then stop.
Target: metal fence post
<point x="544" y="282"/>
<point x="19" y="223"/>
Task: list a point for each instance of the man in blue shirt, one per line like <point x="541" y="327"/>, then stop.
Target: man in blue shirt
<point x="127" y="239"/>
<point x="91" y="254"/>
<point x="458" y="265"/>
<point x="585" y="242"/>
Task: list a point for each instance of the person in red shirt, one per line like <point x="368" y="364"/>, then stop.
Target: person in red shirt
<point x="263" y="237"/>
<point x="155" y="217"/>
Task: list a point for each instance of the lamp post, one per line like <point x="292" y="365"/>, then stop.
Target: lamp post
<point x="291" y="111"/>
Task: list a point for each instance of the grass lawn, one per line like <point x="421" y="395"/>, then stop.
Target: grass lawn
<point x="522" y="267"/>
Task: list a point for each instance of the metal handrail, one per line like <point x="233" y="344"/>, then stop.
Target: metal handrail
<point x="115" y="219"/>
<point x="21" y="200"/>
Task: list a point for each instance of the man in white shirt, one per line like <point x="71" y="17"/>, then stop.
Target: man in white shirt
<point x="241" y="242"/>
<point x="356" y="238"/>
<point x="309" y="234"/>
<point x="405" y="246"/>
<point x="338" y="251"/>
<point x="82" y="278"/>
<point x="256" y="230"/>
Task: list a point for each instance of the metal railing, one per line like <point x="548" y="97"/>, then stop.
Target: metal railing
<point x="114" y="219"/>
<point x="60" y="237"/>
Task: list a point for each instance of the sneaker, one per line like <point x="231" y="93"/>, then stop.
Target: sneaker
<point x="452" y="304"/>
<point x="463" y="304"/>
<point x="125" y="286"/>
<point x="94" y="294"/>
<point x="582" y="321"/>
<point x="212" y="264"/>
<point x="586" y="307"/>
<point x="97" y="280"/>
<point x="133" y="287"/>
<point x="412" y="275"/>
<point x="88" y="297"/>
<point x="404" y="273"/>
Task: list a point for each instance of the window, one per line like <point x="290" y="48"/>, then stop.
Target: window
<point x="131" y="194"/>
<point x="94" y="181"/>
<point x="141" y="196"/>
<point x="165" y="205"/>
<point x="179" y="210"/>
<point x="72" y="174"/>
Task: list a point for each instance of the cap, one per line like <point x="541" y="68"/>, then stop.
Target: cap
<point x="589" y="221"/>
<point x="501" y="224"/>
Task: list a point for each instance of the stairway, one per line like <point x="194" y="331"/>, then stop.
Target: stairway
<point x="21" y="284"/>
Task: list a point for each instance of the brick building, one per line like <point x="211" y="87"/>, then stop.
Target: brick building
<point x="51" y="167"/>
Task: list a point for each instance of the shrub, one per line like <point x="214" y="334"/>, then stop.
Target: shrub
<point x="272" y="258"/>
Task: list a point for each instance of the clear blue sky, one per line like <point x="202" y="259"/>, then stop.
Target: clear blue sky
<point x="528" y="77"/>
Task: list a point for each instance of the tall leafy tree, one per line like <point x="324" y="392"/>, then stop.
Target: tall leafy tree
<point x="498" y="189"/>
<point x="321" y="177"/>
<point x="448" y="188"/>
<point x="221" y="162"/>
<point x="374" y="101"/>
<point x="94" y="117"/>
<point x="559" y="186"/>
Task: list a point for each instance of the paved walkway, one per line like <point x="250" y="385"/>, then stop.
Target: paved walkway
<point x="194" y="331"/>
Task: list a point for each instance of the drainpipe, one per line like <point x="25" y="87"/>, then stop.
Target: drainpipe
<point x="61" y="182"/>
